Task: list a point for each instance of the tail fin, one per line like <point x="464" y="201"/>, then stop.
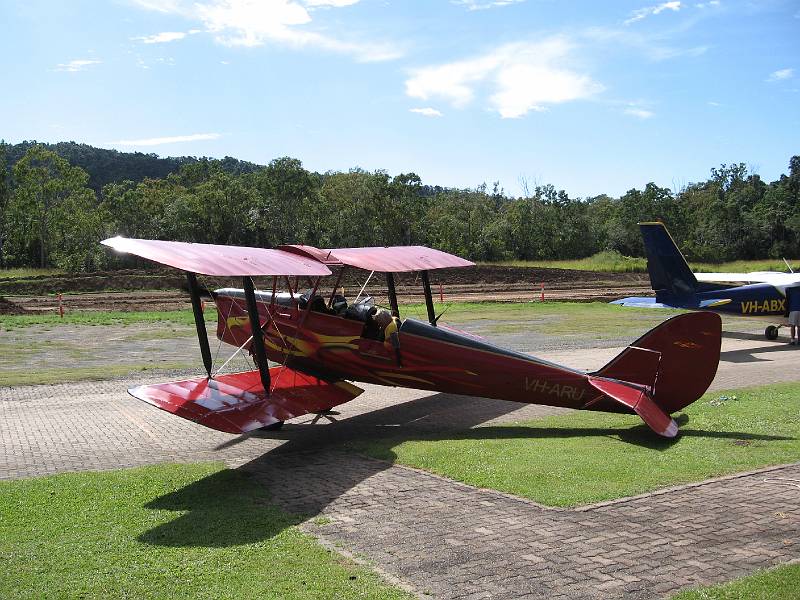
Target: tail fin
<point x="665" y="370"/>
<point x="669" y="272"/>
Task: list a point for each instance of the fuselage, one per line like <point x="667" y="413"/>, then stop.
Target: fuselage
<point x="753" y="300"/>
<point x="419" y="355"/>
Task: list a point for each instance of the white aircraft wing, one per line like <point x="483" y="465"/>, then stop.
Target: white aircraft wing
<point x="776" y="278"/>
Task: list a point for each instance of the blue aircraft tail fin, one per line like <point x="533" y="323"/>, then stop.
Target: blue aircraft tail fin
<point x="670" y="274"/>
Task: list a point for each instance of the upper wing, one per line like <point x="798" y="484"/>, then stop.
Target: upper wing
<point x="223" y="261"/>
<point x="237" y="403"/>
<point x="384" y="259"/>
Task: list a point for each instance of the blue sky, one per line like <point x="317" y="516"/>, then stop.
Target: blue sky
<point x="593" y="97"/>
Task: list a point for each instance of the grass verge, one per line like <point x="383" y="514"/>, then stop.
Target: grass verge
<point x="593" y="319"/>
<point x="169" y="531"/>
<point x="607" y="262"/>
<point x="44" y="376"/>
<point x="583" y="457"/>
<point x="780" y="583"/>
<point x="614" y="262"/>
<point x="94" y="318"/>
<point x="27" y="273"/>
<point x="554" y="317"/>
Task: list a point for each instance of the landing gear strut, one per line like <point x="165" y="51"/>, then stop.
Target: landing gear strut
<point x="771" y="332"/>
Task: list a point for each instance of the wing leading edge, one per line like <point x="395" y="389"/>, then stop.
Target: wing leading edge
<point x="216" y="260"/>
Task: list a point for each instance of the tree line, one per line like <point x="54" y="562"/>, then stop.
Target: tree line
<point x="52" y="215"/>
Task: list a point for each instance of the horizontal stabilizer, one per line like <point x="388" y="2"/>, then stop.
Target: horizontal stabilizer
<point x="689" y="303"/>
<point x="237" y="403"/>
<point x="640" y="302"/>
<point x="638" y="399"/>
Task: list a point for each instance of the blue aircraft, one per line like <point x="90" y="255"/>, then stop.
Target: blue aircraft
<point x="762" y="294"/>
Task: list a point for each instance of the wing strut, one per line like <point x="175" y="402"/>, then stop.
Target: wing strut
<point x="426" y="287"/>
<point x="199" y="321"/>
<point x="258" y="333"/>
<point x="392" y="295"/>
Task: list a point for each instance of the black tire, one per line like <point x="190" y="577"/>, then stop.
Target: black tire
<point x="771" y="332"/>
<point x="272" y="427"/>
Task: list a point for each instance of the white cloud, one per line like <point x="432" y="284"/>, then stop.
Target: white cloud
<point x="163" y="6"/>
<point x="666" y="52"/>
<point x="256" y="22"/>
<point x="426" y="112"/>
<point x="523" y="76"/>
<point x="781" y="75"/>
<point x="654" y="47"/>
<point x="167" y="140"/>
<point x="639" y="113"/>
<point x="647" y="11"/>
<point x="74" y="66"/>
<point x="160" y="38"/>
<point x="333" y="3"/>
<point x="478" y="5"/>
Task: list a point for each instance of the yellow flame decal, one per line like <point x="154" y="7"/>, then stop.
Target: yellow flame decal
<point x="232" y="322"/>
<point x="691" y="345"/>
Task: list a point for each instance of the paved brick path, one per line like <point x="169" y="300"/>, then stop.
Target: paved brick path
<point x="440" y="537"/>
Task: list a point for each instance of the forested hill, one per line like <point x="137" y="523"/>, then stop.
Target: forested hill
<point x="108" y="166"/>
<point x="53" y="214"/>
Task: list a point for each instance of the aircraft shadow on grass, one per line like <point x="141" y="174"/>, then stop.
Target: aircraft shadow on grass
<point x="310" y="470"/>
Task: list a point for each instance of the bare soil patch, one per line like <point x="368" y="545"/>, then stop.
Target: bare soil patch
<point x="137" y="290"/>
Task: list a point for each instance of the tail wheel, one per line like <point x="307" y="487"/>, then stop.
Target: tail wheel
<point x="771" y="332"/>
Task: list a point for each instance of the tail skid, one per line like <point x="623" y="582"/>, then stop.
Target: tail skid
<point x="665" y="370"/>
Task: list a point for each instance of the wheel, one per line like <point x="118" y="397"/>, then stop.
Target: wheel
<point x="771" y="332"/>
<point x="272" y="427"/>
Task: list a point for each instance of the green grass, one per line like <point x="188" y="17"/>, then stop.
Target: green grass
<point x="594" y="319"/>
<point x="94" y="318"/>
<point x="51" y="375"/>
<point x="27" y="273"/>
<point x="614" y="262"/>
<point x="585" y="457"/>
<point x="169" y="531"/>
<point x="607" y="261"/>
<point x="780" y="583"/>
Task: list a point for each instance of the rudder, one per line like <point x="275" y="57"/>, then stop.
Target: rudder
<point x="669" y="272"/>
<point x="677" y="360"/>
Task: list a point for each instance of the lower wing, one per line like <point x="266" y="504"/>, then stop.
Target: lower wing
<point x="237" y="403"/>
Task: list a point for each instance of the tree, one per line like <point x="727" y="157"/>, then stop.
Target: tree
<point x="285" y="193"/>
<point x="5" y="194"/>
<point x="54" y="213"/>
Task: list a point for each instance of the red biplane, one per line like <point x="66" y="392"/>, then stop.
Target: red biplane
<point x="321" y="341"/>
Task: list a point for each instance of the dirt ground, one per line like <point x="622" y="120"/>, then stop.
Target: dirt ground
<point x="156" y="290"/>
